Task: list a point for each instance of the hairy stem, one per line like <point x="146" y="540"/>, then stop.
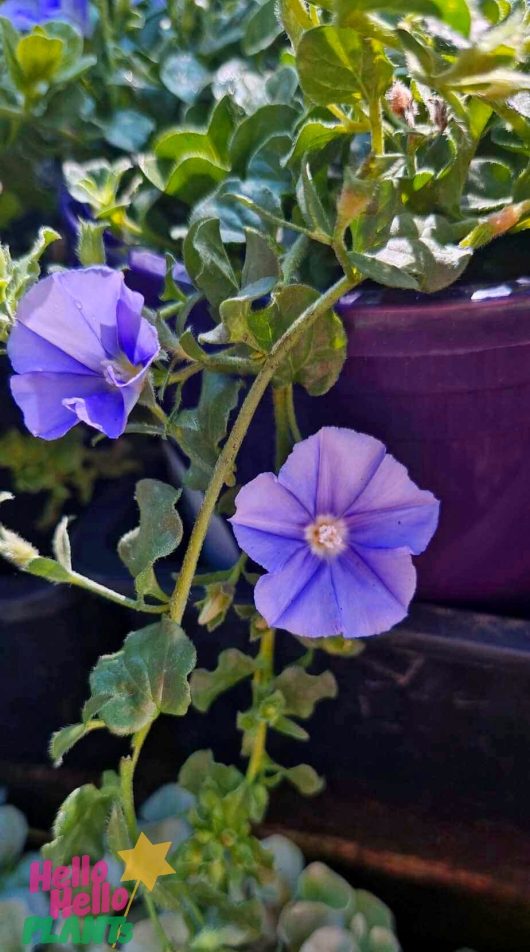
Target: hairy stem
<point x="81" y="581"/>
<point x="230" y="450"/>
<point x="291" y="416"/>
<point x="264" y="673"/>
<point x="127" y="770"/>
<point x="284" y="439"/>
<point x="376" y="124"/>
<point x="108" y="39"/>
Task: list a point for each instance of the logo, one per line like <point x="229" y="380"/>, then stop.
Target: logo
<point x="83" y="906"/>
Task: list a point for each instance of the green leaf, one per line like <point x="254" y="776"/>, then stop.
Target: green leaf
<point x="316" y="216"/>
<point x="253" y="131"/>
<point x="317" y="360"/>
<point x="148" y="677"/>
<point x="267" y="164"/>
<point x="262" y="28"/>
<point x="234" y="217"/>
<point x="13" y="915"/>
<point x="128" y="130"/>
<point x="96" y="183"/>
<point x="331" y="939"/>
<point x="453" y="12"/>
<point x="13" y="833"/>
<point x="49" y="569"/>
<point x="207" y="262"/>
<point x="118" y="836"/>
<point x="206" y="686"/>
<point x="299" y="920"/>
<point x="158" y="535"/>
<point x="295" y="19"/>
<point x="422" y="250"/>
<point x="284" y="725"/>
<point x="261" y="262"/>
<point x="199" y="159"/>
<point x="22" y="273"/>
<point x="381" y="940"/>
<point x="313" y="136"/>
<point x="61" y="544"/>
<point x="199" y="432"/>
<point x="39" y="58"/>
<point x="489" y="186"/>
<point x="305" y="779"/>
<point x="302" y="691"/>
<point x="374" y="911"/>
<point x="260" y="275"/>
<point x="383" y="271"/>
<point x="90" y="243"/>
<point x="80" y="824"/>
<point x="63" y="740"/>
<point x="335" y="645"/>
<point x="195" y="770"/>
<point x="184" y="75"/>
<point x="337" y="52"/>
<point x="319" y="883"/>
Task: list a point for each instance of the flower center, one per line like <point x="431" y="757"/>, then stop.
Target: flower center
<point x="327" y="536"/>
<point x="119" y="370"/>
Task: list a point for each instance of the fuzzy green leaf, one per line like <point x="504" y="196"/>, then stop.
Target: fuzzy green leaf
<point x="63" y="740"/>
<point x="79" y="827"/>
<point x="305" y="779"/>
<point x="148" y="677"/>
<point x="207" y="262"/>
<point x="206" y="686"/>
<point x="315" y="363"/>
<point x="337" y="52"/>
<point x="302" y="691"/>
<point x="158" y="535"/>
<point x="262" y="28"/>
<point x="184" y="75"/>
<point x="200" y="431"/>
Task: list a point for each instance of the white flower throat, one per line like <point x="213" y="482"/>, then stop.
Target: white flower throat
<point x="327" y="536"/>
<point x="119" y="370"/>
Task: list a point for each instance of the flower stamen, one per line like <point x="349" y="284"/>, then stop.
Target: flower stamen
<point x="327" y="536"/>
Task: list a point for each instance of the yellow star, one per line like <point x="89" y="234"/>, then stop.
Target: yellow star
<point x="146" y="862"/>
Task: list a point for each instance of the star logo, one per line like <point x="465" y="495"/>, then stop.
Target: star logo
<point x="146" y="862"/>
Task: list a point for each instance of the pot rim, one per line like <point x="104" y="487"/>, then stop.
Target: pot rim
<point x="484" y="294"/>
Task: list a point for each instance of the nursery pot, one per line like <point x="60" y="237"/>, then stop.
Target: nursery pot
<point x="444" y="381"/>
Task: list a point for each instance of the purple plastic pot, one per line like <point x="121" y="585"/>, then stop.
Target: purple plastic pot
<point x="445" y="383"/>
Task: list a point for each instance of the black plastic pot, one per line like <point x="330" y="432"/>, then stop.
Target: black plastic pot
<point x="47" y="645"/>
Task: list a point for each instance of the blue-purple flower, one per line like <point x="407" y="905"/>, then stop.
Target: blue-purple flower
<point x="81" y="351"/>
<point x="335" y="530"/>
<point x="25" y="14"/>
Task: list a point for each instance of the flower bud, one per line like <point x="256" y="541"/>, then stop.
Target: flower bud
<point x="401" y="102"/>
<point x="438" y="112"/>
<point x="216" y="604"/>
<point x="495" y="225"/>
<point x="399" y="98"/>
<point x="502" y="221"/>
<point x="16" y="549"/>
<point x="351" y="203"/>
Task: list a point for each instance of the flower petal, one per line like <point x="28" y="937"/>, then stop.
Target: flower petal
<point x="103" y="410"/>
<point x="137" y="338"/>
<point x="300" y="597"/>
<point x="269" y="522"/>
<point x="374" y="588"/>
<point x="76" y="312"/>
<point x="330" y="469"/>
<point x="40" y="397"/>
<point x="391" y="512"/>
<point x="28" y="353"/>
